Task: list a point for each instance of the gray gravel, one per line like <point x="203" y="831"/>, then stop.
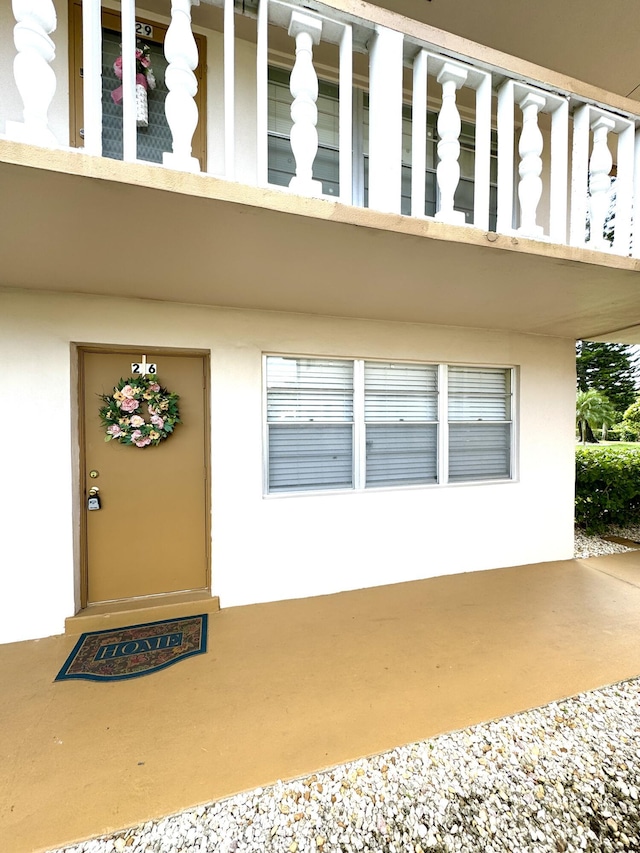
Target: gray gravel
<point x="565" y="777"/>
<point x="596" y="546"/>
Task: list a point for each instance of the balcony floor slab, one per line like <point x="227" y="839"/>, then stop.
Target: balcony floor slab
<point x="85" y="224"/>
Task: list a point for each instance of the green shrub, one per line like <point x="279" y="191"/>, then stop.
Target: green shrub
<point x="607" y="487"/>
<point x="629" y="431"/>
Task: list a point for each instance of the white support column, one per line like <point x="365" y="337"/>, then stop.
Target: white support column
<point x="419" y="134"/>
<point x="229" y="90"/>
<point x="262" y="95"/>
<point x="448" y="172"/>
<point x="482" y="172"/>
<point x="579" y="176"/>
<point x="559" y="173"/>
<point x="530" y="166"/>
<point x="385" y="120"/>
<point x="181" y="52"/>
<point x="129" y="124"/>
<point x="306" y="30"/>
<point x="92" y="77"/>
<point x="346" y="115"/>
<point x="506" y="139"/>
<point x="35" y="78"/>
<point x="600" y="164"/>
<point x="624" y="191"/>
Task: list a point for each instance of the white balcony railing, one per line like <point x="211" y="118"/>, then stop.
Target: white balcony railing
<point x="555" y="149"/>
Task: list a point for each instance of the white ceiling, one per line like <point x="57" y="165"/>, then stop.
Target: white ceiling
<point x="598" y="43"/>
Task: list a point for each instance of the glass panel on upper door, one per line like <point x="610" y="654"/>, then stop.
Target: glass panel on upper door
<point x="153" y="139"/>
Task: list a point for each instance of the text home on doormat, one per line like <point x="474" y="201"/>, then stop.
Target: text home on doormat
<point x="120" y="653"/>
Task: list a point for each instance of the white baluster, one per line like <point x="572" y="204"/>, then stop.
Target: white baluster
<point x="180" y="108"/>
<point x="530" y="168"/>
<point x="599" y="181"/>
<point x="35" y="78"/>
<point x="448" y="172"/>
<point x="304" y="112"/>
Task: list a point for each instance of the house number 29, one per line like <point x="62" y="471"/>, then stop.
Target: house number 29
<point x="145" y="31"/>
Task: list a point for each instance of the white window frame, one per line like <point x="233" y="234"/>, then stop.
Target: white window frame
<point x="359" y="427"/>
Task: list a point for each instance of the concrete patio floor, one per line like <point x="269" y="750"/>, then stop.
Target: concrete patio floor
<point x="291" y="687"/>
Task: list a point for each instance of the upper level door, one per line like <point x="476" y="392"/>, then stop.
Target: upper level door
<point x="154" y="137"/>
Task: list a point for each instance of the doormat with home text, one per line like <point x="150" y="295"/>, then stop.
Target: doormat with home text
<point x="119" y="653"/>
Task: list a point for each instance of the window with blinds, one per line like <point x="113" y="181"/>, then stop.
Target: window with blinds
<point x="401" y="415"/>
<point x="310" y="424"/>
<point x="480" y="420"/>
<point x="344" y="424"/>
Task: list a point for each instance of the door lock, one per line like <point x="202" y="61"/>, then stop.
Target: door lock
<point x="94" y="498"/>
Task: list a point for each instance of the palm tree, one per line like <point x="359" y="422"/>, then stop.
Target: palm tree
<point x="592" y="409"/>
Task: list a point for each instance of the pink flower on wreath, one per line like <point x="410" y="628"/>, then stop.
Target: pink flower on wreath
<point x="137" y="421"/>
<point x="152" y="410"/>
<point x="157" y="421"/>
<point x="142" y="59"/>
<point x="136" y="435"/>
<point x="129" y="405"/>
<point x="154" y="387"/>
<point x="115" y="430"/>
<point x="128" y="391"/>
<point x="143" y="442"/>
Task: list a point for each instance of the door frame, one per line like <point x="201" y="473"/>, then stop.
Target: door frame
<point x="80" y="497"/>
<point x="111" y="19"/>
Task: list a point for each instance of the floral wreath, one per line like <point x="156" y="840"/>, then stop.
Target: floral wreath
<point x="121" y="413"/>
<point x="144" y="72"/>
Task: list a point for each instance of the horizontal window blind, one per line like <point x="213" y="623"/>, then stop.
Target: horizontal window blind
<point x="479" y="423"/>
<point x="310" y="456"/>
<point x="282" y="167"/>
<point x="400" y="407"/>
<point x="400" y="392"/>
<point x="310" y="423"/>
<point x="479" y="452"/>
<point x="343" y="424"/>
<point x="309" y="390"/>
<point x="401" y="454"/>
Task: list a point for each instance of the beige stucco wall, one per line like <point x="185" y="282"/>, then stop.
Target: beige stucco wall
<point x="267" y="548"/>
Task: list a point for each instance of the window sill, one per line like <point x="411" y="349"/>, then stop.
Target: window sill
<point x="378" y="489"/>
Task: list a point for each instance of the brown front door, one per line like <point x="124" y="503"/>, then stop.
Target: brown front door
<point x="149" y="536"/>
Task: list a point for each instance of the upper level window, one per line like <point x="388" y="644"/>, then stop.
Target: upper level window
<point x="282" y="166"/>
<point x="326" y="164"/>
<point x="343" y="424"/>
